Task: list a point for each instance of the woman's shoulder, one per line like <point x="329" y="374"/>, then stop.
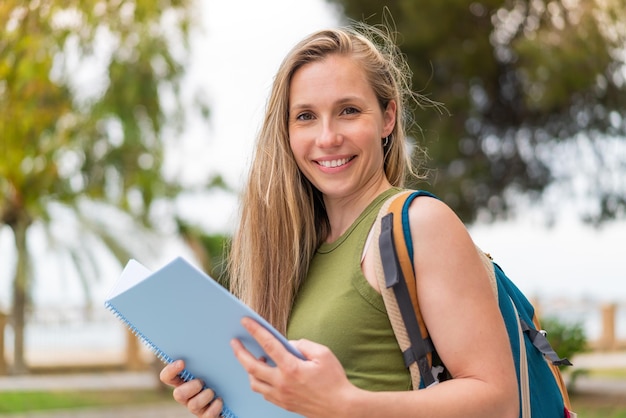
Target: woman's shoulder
<point x="428" y="204"/>
<point x="431" y="215"/>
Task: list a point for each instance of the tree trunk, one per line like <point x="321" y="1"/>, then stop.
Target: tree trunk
<point x="3" y="360"/>
<point x="20" y="297"/>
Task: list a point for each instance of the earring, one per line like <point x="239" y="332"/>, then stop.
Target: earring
<point x="385" y="141"/>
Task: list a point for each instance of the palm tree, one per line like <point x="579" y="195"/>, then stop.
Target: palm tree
<point x="82" y="118"/>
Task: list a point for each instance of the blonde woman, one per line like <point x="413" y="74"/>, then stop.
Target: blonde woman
<point x="331" y="151"/>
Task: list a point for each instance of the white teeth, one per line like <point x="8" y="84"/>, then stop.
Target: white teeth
<point x="333" y="163"/>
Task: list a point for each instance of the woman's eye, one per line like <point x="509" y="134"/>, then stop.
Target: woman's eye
<point x="304" y="116"/>
<point x="350" y="111"/>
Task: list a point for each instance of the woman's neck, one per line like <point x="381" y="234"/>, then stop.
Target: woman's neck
<point x="343" y="211"/>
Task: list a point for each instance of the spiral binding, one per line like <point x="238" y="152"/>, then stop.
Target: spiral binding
<point x="227" y="413"/>
<point x="185" y="374"/>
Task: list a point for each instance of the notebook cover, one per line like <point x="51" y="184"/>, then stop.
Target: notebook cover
<point x="182" y="313"/>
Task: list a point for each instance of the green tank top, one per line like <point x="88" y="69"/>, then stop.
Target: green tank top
<point x="338" y="308"/>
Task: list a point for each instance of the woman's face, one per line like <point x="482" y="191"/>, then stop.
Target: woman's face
<point x="336" y="126"/>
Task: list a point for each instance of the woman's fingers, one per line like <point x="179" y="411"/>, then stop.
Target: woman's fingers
<point x="265" y="378"/>
<point x="258" y="368"/>
<point x="214" y="409"/>
<point x="185" y="392"/>
<point x="170" y="373"/>
<point x="270" y="344"/>
<point x="199" y="400"/>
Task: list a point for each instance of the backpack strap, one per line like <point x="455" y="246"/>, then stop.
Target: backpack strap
<point x="540" y="341"/>
<point x="396" y="279"/>
<point x="556" y="372"/>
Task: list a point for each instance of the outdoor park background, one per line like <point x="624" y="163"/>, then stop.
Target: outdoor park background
<point x="571" y="269"/>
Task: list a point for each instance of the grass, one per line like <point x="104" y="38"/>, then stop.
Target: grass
<point x="617" y="373"/>
<point x="20" y="402"/>
<point x="597" y="406"/>
<point x="587" y="406"/>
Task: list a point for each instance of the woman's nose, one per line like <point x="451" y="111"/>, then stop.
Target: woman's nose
<point x="329" y="136"/>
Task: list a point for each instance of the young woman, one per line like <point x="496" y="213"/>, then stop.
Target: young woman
<point x="331" y="151"/>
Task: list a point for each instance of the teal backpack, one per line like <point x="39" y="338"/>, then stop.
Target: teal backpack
<point x="542" y="391"/>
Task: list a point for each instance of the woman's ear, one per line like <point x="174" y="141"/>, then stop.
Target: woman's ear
<point x="389" y="118"/>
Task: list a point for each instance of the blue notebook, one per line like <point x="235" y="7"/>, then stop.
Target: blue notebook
<point x="180" y="312"/>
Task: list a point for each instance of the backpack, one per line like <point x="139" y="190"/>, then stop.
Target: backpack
<point x="542" y="391"/>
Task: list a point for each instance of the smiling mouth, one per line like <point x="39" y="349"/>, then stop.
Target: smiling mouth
<point x="335" y="163"/>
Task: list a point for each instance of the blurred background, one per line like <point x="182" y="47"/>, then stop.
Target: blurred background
<point x="126" y="129"/>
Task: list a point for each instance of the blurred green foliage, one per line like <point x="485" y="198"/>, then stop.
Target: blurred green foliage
<point x="567" y="338"/>
<point x="536" y="91"/>
<point x="89" y="91"/>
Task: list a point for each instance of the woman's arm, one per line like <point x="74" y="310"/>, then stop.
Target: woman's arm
<point x="464" y="321"/>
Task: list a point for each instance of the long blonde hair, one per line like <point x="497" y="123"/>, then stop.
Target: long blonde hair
<point x="283" y="219"/>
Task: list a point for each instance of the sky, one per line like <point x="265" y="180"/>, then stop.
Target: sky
<point x="234" y="60"/>
<point x="233" y="63"/>
<point x="570" y="259"/>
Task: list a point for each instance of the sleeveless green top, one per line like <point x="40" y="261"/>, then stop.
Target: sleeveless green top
<point x="337" y="307"/>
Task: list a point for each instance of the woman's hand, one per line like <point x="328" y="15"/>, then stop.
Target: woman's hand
<point x="313" y="387"/>
<point x="199" y="401"/>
